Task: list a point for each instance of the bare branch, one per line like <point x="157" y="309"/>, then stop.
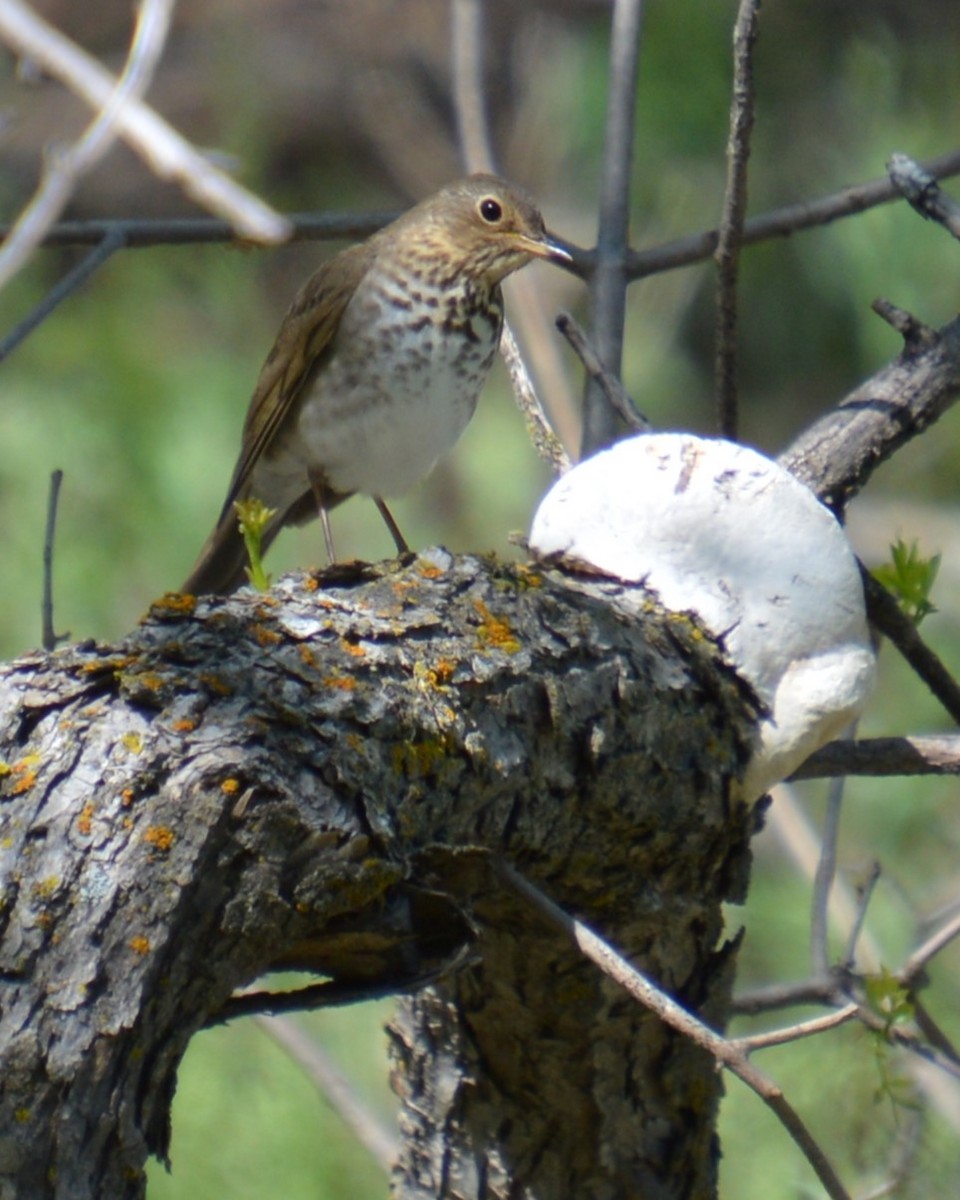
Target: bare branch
<point x="168" y="154"/>
<point x="335" y="1087"/>
<point x="823" y="880"/>
<point x="939" y="755"/>
<point x="608" y="276"/>
<point x="915" y="334"/>
<point x="671" y="1013"/>
<point x="793" y="1033"/>
<point x="920" y="189"/>
<point x="925" y="952"/>
<point x="864" y="895"/>
<point x="476" y="149"/>
<point x="60" y="291"/>
<point x="50" y="638"/>
<point x="617" y="395"/>
<point x="65" y="168"/>
<point x="545" y="441"/>
<point x="473" y="131"/>
<point x="783" y="995"/>
<point x="727" y="254"/>
<point x="886" y="615"/>
<point x="174" y="231"/>
<point x="781" y="222"/>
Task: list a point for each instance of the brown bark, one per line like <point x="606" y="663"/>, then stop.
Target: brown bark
<point x="320" y="777"/>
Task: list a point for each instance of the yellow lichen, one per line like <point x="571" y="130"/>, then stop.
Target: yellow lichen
<point x="417" y="759"/>
<point x="139" y="945"/>
<point x="495" y="631"/>
<point x="133" y="742"/>
<point x="230" y="787"/>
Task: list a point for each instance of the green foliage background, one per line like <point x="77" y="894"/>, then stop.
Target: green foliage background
<point x="137" y="387"/>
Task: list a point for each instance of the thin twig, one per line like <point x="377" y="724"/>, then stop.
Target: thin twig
<point x="785" y="995"/>
<point x="335" y="1087"/>
<point x="920" y="189"/>
<point x="617" y="395"/>
<point x="608" y="277"/>
<point x="168" y="154"/>
<point x="926" y="951"/>
<point x="66" y="167"/>
<point x="727" y="254"/>
<point x="934" y="755"/>
<point x="793" y="1033"/>
<point x="698" y="247"/>
<point x="864" y="897"/>
<point x="476" y="150"/>
<point x="186" y="231"/>
<point x="545" y="441"/>
<point x="468" y="42"/>
<point x="886" y="616"/>
<point x="50" y="638"/>
<point x="671" y="1013"/>
<point x="823" y="879"/>
<point x="65" y="287"/>
<point x="780" y="222"/>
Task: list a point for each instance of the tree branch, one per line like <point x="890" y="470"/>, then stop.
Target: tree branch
<point x="168" y="154"/>
<point x="315" y="779"/>
<point x="66" y="167"/>
<point x="608" y="271"/>
<point x="727" y="253"/>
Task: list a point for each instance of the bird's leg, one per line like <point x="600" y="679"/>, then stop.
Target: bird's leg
<point x="319" y="489"/>
<point x="398" y="538"/>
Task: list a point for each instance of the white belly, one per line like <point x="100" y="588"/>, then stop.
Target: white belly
<point x="383" y="408"/>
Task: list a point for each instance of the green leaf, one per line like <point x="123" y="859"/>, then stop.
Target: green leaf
<point x="910" y="578"/>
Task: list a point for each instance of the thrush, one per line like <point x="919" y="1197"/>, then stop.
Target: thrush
<point x="377" y="366"/>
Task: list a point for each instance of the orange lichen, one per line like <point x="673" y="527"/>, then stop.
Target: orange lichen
<point x="346" y="683"/>
<point x="266" y="637"/>
<point x="310" y="584"/>
<point x="127" y="797"/>
<point x="139" y="944"/>
<point x="353" y="648"/>
<point x="429" y="570"/>
<point x="161" y="837"/>
<point x="495" y="631"/>
<point x="85" y="820"/>
<point x="230" y="787"/>
<point x="215" y="684"/>
<point x="185" y="725"/>
<point x="116" y="663"/>
<point x="443" y="670"/>
<point x="173" y="604"/>
<point x="307" y="656"/>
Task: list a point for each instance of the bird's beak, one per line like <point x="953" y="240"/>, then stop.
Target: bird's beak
<point x="544" y="247"/>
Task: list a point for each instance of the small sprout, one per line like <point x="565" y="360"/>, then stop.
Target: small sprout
<point x="889" y="999"/>
<point x="910" y="578"/>
<point x="253" y="517"/>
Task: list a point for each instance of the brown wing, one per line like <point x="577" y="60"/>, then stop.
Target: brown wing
<point x="304" y="337"/>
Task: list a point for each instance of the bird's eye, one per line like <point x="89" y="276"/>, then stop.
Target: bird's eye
<point x="490" y="210"/>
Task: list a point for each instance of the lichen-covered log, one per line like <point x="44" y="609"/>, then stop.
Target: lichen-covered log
<point x="320" y="776"/>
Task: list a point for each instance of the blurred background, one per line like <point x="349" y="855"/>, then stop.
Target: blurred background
<point x="137" y="387"/>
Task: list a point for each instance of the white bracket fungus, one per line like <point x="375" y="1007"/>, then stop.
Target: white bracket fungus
<point x="720" y="531"/>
